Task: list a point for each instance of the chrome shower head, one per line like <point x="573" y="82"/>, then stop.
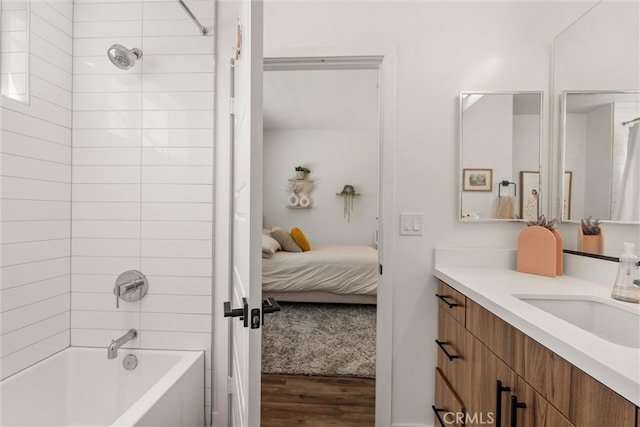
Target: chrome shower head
<point x="122" y="57"/>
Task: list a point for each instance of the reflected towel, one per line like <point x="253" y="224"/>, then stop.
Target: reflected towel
<point x="506" y="207"/>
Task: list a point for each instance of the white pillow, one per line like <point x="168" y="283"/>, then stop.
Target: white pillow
<point x="269" y="244"/>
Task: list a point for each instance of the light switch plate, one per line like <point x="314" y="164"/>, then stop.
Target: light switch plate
<point x="411" y="223"/>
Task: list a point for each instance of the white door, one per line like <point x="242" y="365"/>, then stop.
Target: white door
<point x="246" y="221"/>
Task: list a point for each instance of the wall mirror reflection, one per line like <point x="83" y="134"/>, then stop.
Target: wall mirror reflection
<point x="601" y="156"/>
<point x="14" y="49"/>
<point x="500" y="136"/>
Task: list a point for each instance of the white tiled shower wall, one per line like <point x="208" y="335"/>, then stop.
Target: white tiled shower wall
<point x="142" y="174"/>
<point x="134" y="193"/>
<point x="35" y="192"/>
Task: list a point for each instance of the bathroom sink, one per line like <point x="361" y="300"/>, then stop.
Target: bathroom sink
<point x="614" y="323"/>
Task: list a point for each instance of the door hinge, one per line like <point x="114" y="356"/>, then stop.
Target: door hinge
<point x="229" y="385"/>
<point x="380" y="268"/>
<point x="232" y="106"/>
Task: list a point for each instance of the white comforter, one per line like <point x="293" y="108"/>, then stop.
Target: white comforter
<point x="331" y="268"/>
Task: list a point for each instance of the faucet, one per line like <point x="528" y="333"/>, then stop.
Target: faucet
<point x="112" y="350"/>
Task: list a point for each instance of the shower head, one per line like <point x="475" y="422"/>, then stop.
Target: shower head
<point x="122" y="57"/>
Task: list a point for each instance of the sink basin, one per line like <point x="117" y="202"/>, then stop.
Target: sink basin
<point x="616" y="324"/>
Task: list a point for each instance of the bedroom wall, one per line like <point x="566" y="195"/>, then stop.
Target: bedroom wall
<point x="441" y="48"/>
<point x="336" y="157"/>
<point x="328" y="121"/>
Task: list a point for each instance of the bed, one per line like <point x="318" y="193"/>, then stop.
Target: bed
<point x="326" y="273"/>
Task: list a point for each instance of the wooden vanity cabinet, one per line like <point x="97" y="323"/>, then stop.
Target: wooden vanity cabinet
<point x="535" y="385"/>
<point x="593" y="404"/>
<point x="447" y="402"/>
<point x="490" y="384"/>
<point x="545" y="371"/>
<point x="451" y="349"/>
<point x="452" y="302"/>
<point x="537" y="411"/>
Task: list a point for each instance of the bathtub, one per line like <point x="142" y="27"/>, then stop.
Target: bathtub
<point x="81" y="387"/>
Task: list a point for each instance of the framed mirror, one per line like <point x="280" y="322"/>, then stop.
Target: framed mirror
<point x="601" y="156"/>
<point x="500" y="137"/>
<point x="14" y="49"/>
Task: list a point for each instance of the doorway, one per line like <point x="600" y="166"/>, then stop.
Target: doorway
<point x="324" y="115"/>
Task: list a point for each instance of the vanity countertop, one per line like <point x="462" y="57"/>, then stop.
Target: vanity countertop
<point x="616" y="366"/>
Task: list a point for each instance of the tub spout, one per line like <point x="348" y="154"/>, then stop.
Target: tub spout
<point x="112" y="349"/>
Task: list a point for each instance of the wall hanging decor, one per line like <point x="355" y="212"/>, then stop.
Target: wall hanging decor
<point x="299" y="188"/>
<point x="348" y="193"/>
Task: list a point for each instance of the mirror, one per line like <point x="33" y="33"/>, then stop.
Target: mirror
<point x="14" y="52"/>
<point x="500" y="137"/>
<point x="601" y="156"/>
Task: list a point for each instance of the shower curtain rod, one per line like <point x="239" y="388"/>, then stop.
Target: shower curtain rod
<point x="630" y="121"/>
<point x="203" y="30"/>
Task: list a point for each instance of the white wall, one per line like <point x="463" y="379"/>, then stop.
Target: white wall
<point x="326" y="120"/>
<point x="606" y="42"/>
<point x="143" y="174"/>
<point x="35" y="191"/>
<point x="335" y="157"/>
<point x="440" y="49"/>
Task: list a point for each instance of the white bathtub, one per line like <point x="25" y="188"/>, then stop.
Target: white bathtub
<point x="81" y="387"/>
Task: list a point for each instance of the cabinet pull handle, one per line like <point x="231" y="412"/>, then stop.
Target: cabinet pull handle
<point x="515" y="405"/>
<point x="499" y="390"/>
<point x="437" y="412"/>
<point x="444" y="299"/>
<point x="441" y="344"/>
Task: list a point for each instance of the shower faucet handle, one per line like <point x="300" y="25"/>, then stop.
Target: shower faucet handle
<point x="130" y="286"/>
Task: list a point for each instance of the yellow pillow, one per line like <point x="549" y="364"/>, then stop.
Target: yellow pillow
<point x="300" y="239"/>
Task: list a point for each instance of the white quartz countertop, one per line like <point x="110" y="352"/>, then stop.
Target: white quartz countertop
<point x="616" y="366"/>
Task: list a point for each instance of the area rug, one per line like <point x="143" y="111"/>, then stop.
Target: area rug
<point x="320" y="339"/>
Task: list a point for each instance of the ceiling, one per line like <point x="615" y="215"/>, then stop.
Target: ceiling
<point x="321" y="99"/>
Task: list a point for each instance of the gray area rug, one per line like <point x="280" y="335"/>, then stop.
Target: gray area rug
<point x="320" y="339"/>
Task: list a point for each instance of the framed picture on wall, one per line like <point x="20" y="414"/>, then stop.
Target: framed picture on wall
<point x="566" y="195"/>
<point x="529" y="195"/>
<point x="477" y="179"/>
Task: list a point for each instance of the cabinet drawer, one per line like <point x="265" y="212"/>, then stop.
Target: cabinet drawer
<point x="451" y="300"/>
<point x="494" y="332"/>
<point x="594" y="404"/>
<point x="447" y="403"/>
<point x="451" y="348"/>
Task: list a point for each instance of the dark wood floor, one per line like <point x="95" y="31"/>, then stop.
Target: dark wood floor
<point x="311" y="401"/>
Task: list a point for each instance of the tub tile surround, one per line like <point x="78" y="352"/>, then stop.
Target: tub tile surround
<point x="143" y="174"/>
<point x="489" y="278"/>
<point x="35" y="192"/>
<point x="141" y="193"/>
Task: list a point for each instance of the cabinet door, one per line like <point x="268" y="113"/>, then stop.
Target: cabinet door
<point x="451" y="351"/>
<point x="448" y="408"/>
<point x="535" y="411"/>
<point x="452" y="301"/>
<point x="545" y="371"/>
<point x="593" y="404"/>
<point x="484" y="375"/>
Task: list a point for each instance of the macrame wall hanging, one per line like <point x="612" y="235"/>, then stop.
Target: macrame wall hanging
<point x="348" y="193"/>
